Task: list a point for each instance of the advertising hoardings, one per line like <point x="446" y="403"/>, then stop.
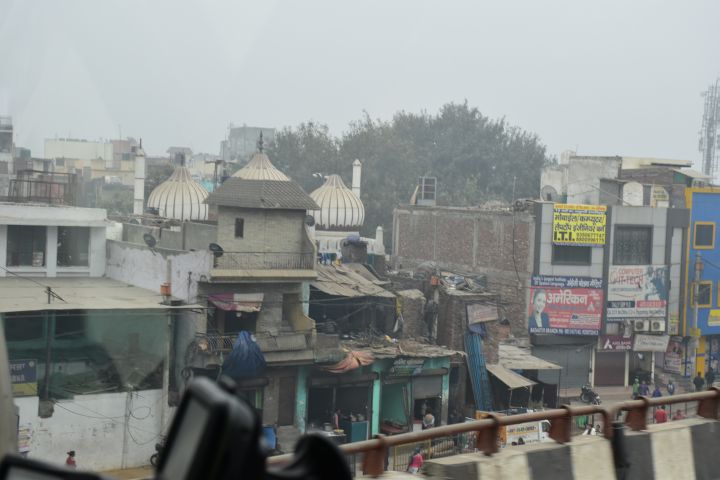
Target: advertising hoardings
<point x="651" y="343"/>
<point x="565" y="305"/>
<point x="674" y="354"/>
<point x="579" y="225"/>
<point x="23" y="377"/>
<point x="637" y="291"/>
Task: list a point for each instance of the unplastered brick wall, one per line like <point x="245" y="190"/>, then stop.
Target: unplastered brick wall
<point x="472" y="241"/>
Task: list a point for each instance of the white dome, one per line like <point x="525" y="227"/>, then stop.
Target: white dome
<point x="180" y="197"/>
<point x="340" y="208"/>
<point x="260" y="168"/>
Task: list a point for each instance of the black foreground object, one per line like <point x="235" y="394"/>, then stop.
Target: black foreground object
<point x="15" y="467"/>
<point x="316" y="458"/>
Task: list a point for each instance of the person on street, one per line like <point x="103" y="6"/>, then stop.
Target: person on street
<point x="698" y="381"/>
<point x="657" y="393"/>
<point x="671" y="387"/>
<point x="644" y="389"/>
<point x="70" y="460"/>
<point x="709" y="378"/>
<point x="660" y="415"/>
<point x="678" y="415"/>
<point x="336" y="419"/>
<point x="416" y="461"/>
<point x="635" y="388"/>
<point x="428" y="420"/>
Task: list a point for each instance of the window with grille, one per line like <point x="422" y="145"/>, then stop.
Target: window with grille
<point x="633" y="246"/>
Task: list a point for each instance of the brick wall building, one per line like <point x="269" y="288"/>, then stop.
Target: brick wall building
<point x="495" y="243"/>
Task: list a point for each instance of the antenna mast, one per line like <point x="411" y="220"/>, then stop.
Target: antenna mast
<point x="709" y="141"/>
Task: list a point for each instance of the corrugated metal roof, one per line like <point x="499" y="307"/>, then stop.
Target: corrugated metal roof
<point x="518" y="358"/>
<point x="21" y="295"/>
<point x="508" y="377"/>
<point x="271" y="194"/>
<point x="340" y="281"/>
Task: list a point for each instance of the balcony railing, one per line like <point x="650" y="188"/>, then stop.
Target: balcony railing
<point x="265" y="261"/>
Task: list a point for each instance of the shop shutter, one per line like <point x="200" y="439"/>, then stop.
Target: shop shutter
<point x="426" y="387"/>
<point x="574" y="360"/>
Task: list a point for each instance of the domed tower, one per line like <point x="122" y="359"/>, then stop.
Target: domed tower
<point x="341" y="210"/>
<point x="180" y="197"/>
<point x="260" y="167"/>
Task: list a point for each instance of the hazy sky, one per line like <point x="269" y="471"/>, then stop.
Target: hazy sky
<point x="611" y="77"/>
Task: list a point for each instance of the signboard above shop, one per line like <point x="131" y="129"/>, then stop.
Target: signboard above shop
<point x="650" y="343"/>
<point x="637" y="292"/>
<point x="565" y="305"/>
<point x="579" y="225"/>
<point x="614" y="343"/>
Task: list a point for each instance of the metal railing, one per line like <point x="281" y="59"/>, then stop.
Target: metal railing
<point x="376" y="451"/>
<point x="265" y="261"/>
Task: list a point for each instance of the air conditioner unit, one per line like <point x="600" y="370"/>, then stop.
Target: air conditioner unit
<point x="641" y="325"/>
<point x="657" y="326"/>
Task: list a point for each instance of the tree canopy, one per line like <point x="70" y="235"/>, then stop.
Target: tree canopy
<point x="475" y="159"/>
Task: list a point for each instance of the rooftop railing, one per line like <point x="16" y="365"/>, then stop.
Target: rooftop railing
<point x="265" y="261"/>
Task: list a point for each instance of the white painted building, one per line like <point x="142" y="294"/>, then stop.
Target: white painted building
<point x="78" y="150"/>
<point x="52" y="240"/>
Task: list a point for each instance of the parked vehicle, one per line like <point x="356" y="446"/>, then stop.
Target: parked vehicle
<point x="521" y="434"/>
<point x="588" y="395"/>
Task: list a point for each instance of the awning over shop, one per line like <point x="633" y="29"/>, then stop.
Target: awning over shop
<point x="519" y="358"/>
<point x="354" y="359"/>
<point x="238" y="302"/>
<point x="508" y="377"/>
<point x="340" y="281"/>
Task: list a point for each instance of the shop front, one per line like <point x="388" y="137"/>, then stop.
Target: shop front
<point x="611" y="361"/>
<point x="642" y="358"/>
<point x="350" y="396"/>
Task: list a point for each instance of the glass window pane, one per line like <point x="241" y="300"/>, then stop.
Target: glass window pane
<point x="632" y="246"/>
<point x="25" y="246"/>
<point x="73" y="246"/>
<point x="569" y="255"/>
<point x="704" y="235"/>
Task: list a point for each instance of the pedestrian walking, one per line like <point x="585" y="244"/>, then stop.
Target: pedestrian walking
<point x="635" y="388"/>
<point x="698" y="381"/>
<point x="660" y="415"/>
<point x="709" y="378"/>
<point x="657" y="393"/>
<point x="416" y="462"/>
<point x="678" y="415"/>
<point x="70" y="460"/>
<point x="671" y="387"/>
<point x="644" y="389"/>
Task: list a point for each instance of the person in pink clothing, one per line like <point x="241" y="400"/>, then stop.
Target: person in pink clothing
<point x="416" y="462"/>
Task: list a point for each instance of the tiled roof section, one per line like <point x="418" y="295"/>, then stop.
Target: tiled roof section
<point x="274" y="194"/>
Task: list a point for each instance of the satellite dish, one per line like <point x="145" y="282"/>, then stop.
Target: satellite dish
<point x="549" y="194"/>
<point x="633" y="194"/>
<point x="216" y="249"/>
<point x="309" y="220"/>
<point x="149" y="240"/>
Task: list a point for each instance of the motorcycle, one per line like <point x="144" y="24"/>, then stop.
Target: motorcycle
<point x="158" y="451"/>
<point x="588" y="395"/>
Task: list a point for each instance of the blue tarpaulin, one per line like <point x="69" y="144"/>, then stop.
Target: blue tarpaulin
<point x="478" y="371"/>
<point x="246" y="359"/>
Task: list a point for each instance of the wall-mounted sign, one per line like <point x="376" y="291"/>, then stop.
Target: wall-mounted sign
<point x="479" y="312"/>
<point x="714" y="318"/>
<point x="615" y="342"/>
<point x="674" y="355"/>
<point x="23" y="377"/>
<point x="407" y="366"/>
<point x="650" y="343"/>
<point x="579" y="225"/>
<point x="637" y="291"/>
<point x="558" y="306"/>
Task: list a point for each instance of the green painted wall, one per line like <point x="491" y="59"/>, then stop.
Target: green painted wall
<point x="391" y="405"/>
